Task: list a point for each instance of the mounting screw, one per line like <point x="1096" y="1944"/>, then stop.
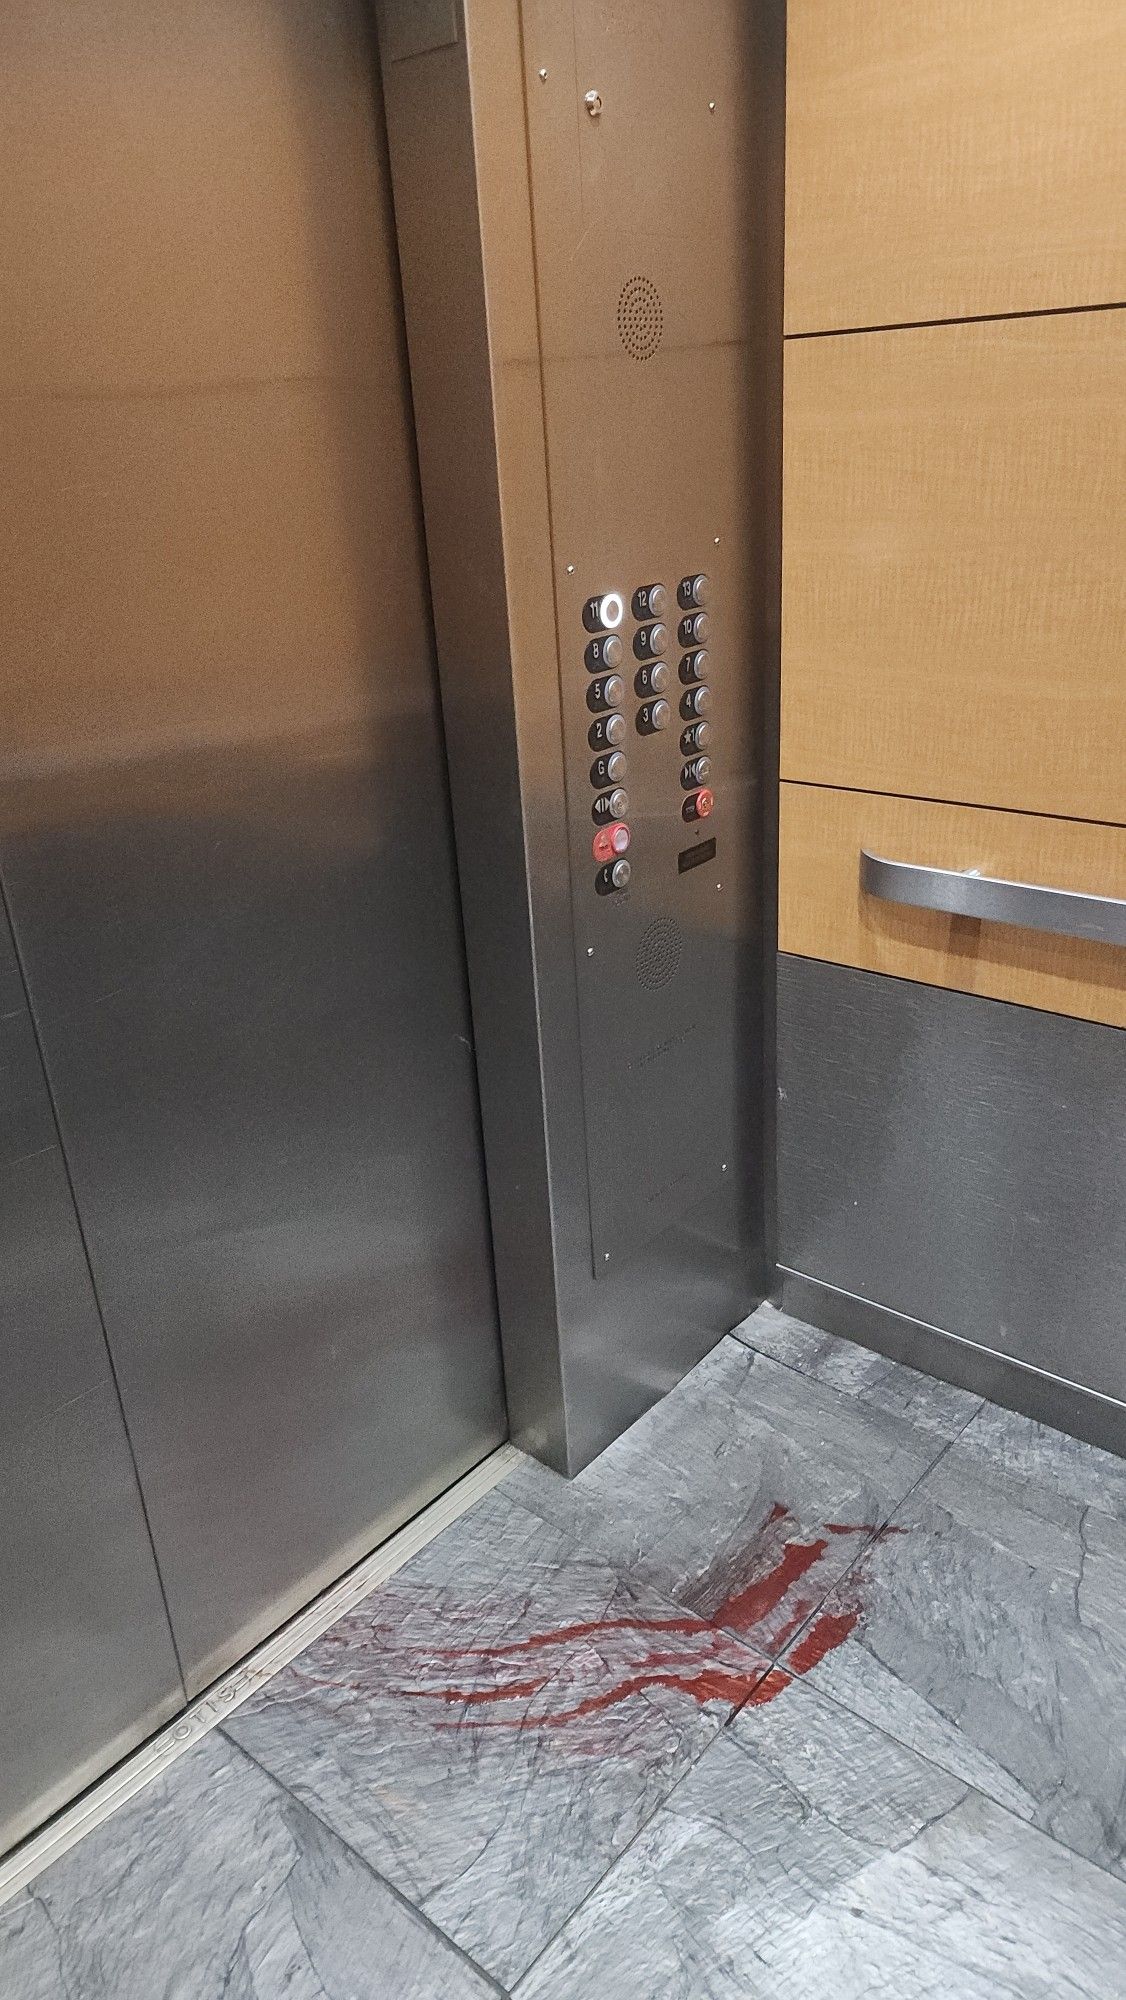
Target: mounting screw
<point x="590" y="951"/>
<point x="723" y="1169"/>
<point x="715" y="540"/>
<point x="711" y="104"/>
<point x="593" y="103"/>
<point x="570" y="569"/>
<point x="605" y="1256"/>
<point x="543" y="76"/>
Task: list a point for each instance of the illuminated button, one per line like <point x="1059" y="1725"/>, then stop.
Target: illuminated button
<point x="610" y="841"/>
<point x="696" y="737"/>
<point x="607" y="732"/>
<point x="695" y="701"/>
<point x="608" y="770"/>
<point x="608" y="691"/>
<point x="697" y="771"/>
<point x="652" y="680"/>
<point x="655" y="715"/>
<point x="651" y="641"/>
<point x="694" y="667"/>
<point x="699" y="806"/>
<point x="610" y="805"/>
<point x="693" y="630"/>
<point x="692" y="592"/>
<point x="605" y="613"/>
<point x="605" y="651"/>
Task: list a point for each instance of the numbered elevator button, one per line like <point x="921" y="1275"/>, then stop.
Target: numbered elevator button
<point x="651" y="641"/>
<point x="608" y="691"/>
<point x="655" y="715"/>
<point x="693" y="630"/>
<point x="653" y="680"/>
<point x="695" y="701"/>
<point x="605" y="651"/>
<point x="604" y="613"/>
<point x="694" y="667"/>
<point x="608" y="731"/>
<point x="693" y="592"/>
<point x="696" y="737"/>
<point x="650" y="600"/>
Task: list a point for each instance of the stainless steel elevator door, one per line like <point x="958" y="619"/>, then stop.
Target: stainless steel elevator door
<point x="223" y="811"/>
<point x="86" y="1661"/>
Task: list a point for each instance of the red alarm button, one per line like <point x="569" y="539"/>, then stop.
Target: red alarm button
<point x="611" y="841"/>
<point x="700" y="804"/>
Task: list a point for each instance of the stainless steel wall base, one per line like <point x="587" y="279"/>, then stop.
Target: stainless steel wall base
<point x="1047" y="1398"/>
<point x="960" y="1161"/>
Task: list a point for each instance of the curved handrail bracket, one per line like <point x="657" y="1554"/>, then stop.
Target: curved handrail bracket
<point x="965" y="893"/>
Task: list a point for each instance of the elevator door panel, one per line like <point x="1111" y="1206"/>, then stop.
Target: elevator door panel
<point x="224" y="814"/>
<point x="86" y="1656"/>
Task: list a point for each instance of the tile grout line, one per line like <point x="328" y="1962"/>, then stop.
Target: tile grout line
<point x="778" y="1662"/>
<point x="142" y="1766"/>
<point x="400" y="1896"/>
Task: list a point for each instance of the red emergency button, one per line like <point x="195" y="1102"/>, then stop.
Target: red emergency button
<point x="700" y="804"/>
<point x="611" y="841"/>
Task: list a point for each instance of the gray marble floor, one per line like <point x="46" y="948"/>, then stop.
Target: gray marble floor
<point x="814" y="1683"/>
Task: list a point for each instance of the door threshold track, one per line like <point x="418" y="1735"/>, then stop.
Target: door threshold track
<point x="154" y="1757"/>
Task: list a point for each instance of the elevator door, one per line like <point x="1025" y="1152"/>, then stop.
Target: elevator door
<point x="223" y="813"/>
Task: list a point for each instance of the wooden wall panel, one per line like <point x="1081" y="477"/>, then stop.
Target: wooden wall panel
<point x="953" y="157"/>
<point x="822" y="912"/>
<point x="954" y="616"/>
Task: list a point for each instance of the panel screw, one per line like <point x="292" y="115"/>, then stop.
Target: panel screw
<point x="605" y="1256"/>
<point x="593" y="104"/>
<point x="715" y="540"/>
<point x="590" y="951"/>
<point x="570" y="569"/>
<point x="711" y="104"/>
<point x="543" y="76"/>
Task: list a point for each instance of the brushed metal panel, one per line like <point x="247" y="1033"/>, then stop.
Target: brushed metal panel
<point x="959" y="1161"/>
<point x="86" y="1658"/>
<point x="556" y="464"/>
<point x="223" y="806"/>
<point x="1047" y="1398"/>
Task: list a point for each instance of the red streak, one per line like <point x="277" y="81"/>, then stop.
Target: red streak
<point x="824" y="1636"/>
<point x="589" y="1629"/>
<point x="749" y="1607"/>
<point x="711" y="1684"/>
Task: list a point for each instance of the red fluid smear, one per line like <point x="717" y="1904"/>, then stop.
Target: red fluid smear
<point x="747" y="1608"/>
<point x="824" y="1636"/>
<point x="590" y="1628"/>
<point x="702" y="1680"/>
<point x="710" y="1684"/>
<point x="774" y="1684"/>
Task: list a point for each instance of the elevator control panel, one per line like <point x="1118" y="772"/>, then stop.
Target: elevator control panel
<point x="603" y="614"/>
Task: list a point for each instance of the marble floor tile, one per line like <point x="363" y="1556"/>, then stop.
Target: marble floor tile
<point x="988" y="1630"/>
<point x="744" y="1495"/>
<point x="1024" y="1450"/>
<point x="810" y="1857"/>
<point x="493" y="1726"/>
<point x="842" y="1364"/>
<point x="212" y="1884"/>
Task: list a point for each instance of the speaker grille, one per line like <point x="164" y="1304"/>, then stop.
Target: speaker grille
<point x="658" y="953"/>
<point x="641" y="319"/>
